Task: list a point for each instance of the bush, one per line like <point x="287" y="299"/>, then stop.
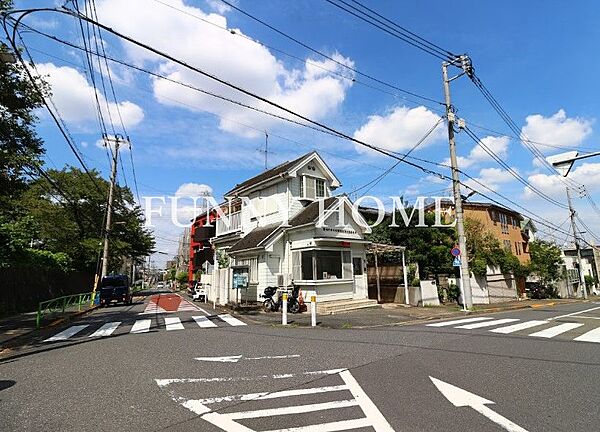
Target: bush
<point x="453" y="292"/>
<point x="539" y="291"/>
<point x="590" y="281"/>
<point x="415" y="282"/>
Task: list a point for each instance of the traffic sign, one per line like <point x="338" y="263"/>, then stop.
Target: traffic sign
<point x="455" y="251"/>
<point x="456" y="262"/>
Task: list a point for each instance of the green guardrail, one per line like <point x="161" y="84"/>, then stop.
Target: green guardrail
<point x="63" y="303"/>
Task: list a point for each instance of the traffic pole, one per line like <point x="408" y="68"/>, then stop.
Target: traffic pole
<point x="284" y="298"/>
<point x="313" y="311"/>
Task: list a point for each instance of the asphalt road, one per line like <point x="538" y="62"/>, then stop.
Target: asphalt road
<point x="214" y="374"/>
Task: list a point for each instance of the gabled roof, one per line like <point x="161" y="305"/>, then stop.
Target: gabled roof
<point x="311" y="212"/>
<point x="281" y="170"/>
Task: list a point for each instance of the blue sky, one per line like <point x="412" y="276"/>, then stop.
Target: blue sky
<point x="536" y="57"/>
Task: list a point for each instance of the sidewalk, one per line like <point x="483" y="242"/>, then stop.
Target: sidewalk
<point x="393" y="314"/>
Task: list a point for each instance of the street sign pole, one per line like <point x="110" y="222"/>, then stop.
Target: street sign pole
<point x="462" y="290"/>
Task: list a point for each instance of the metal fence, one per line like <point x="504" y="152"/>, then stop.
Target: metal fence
<point x="62" y="304"/>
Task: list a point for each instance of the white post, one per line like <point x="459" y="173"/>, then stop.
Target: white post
<point x="313" y="311"/>
<point x="405" y="279"/>
<point x="462" y="292"/>
<point x="284" y="306"/>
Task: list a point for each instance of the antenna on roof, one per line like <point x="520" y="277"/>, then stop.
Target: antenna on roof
<point x="266" y="151"/>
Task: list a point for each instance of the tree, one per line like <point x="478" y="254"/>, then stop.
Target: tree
<point x="484" y="250"/>
<point x="73" y="224"/>
<point x="428" y="246"/>
<point x="20" y="149"/>
<point x="546" y="262"/>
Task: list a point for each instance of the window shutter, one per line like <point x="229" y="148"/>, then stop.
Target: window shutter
<point x="346" y="265"/>
<point x="296" y="266"/>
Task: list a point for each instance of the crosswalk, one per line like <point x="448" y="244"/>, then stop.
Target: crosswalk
<point x="144" y="326"/>
<point x="507" y="326"/>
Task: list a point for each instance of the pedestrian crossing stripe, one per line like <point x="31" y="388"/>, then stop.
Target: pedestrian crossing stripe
<point x="143" y="326"/>
<point x="547" y="333"/>
<point x="353" y="396"/>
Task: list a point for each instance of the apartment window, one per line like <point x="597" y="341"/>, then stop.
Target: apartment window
<point x="504" y="223"/>
<point x="320" y="185"/>
<point x="518" y="248"/>
<point x="507" y="245"/>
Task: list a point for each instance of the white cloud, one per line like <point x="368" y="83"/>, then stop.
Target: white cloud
<point x="554" y="186"/>
<point x="74" y="97"/>
<point x="498" y="145"/>
<point x="557" y="130"/>
<point x="193" y="190"/>
<point x="492" y="178"/>
<point x="400" y="130"/>
<point x="233" y="58"/>
<point x="219" y="6"/>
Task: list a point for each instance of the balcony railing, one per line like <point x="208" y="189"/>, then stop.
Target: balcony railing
<point x="229" y="223"/>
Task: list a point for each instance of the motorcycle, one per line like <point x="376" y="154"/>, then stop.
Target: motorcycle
<point x="271" y="305"/>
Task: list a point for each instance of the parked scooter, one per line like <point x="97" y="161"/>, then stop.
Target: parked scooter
<point x="272" y="305"/>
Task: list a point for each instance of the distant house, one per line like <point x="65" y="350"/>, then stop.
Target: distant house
<point x="507" y="225"/>
<point x="271" y="230"/>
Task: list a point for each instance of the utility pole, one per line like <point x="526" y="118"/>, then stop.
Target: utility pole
<point x="465" y="63"/>
<point x="563" y="163"/>
<point x="572" y="214"/>
<point x="113" y="178"/>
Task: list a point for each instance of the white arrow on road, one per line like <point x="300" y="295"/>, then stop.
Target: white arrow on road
<point x="461" y="398"/>
<point x="237" y="358"/>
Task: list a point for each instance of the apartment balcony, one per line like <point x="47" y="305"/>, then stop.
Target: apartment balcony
<point x="229" y="224"/>
<point x="203" y="234"/>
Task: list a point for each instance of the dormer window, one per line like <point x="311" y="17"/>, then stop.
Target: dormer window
<point x="320" y="188"/>
<point x="312" y="188"/>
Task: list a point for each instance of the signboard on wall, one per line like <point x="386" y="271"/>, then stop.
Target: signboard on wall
<point x="240" y="277"/>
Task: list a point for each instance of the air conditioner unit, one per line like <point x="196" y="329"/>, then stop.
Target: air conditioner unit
<point x="279" y="280"/>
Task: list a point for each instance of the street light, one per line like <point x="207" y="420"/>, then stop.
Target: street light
<point x="563" y="163"/>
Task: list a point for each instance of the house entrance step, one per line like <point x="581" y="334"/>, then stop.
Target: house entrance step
<point x="339" y="306"/>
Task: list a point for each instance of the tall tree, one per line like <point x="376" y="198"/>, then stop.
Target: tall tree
<point x="74" y="225"/>
<point x="546" y="262"/>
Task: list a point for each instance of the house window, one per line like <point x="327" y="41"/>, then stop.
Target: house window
<point x="309" y="191"/>
<point x="307" y="265"/>
<point x="323" y="264"/>
<point x="357" y="266"/>
<point x="301" y="186"/>
<point x="320" y="185"/>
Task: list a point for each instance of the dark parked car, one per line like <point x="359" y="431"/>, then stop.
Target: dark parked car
<point x="115" y="288"/>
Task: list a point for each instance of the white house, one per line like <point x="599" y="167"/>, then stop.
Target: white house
<point x="284" y="226"/>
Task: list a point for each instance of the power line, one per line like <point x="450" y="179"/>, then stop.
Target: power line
<point x="510" y="170"/>
<point x="320" y="53"/>
<point x="391" y="30"/>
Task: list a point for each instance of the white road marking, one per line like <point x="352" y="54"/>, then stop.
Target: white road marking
<point x="225" y="359"/>
<point x="370" y="410"/>
<point x="237" y="358"/>
<point x="66" y="334"/>
<point x="165" y="382"/>
<point x="141" y="326"/>
<point x="487" y="323"/>
<point x="270" y="412"/>
<point x="516" y="327"/>
<point x="330" y="427"/>
<point x="231" y="320"/>
<point x="274" y="357"/>
<point x="591" y="336"/>
<point x="575" y="313"/>
<point x="556" y="330"/>
<point x="106" y="330"/>
<point x="460" y="321"/>
<point x="173" y="323"/>
<point x="274" y="395"/>
<point x="462" y="398"/>
<point x="203" y="321"/>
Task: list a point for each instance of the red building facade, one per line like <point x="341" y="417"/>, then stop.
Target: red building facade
<point x="201" y="251"/>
